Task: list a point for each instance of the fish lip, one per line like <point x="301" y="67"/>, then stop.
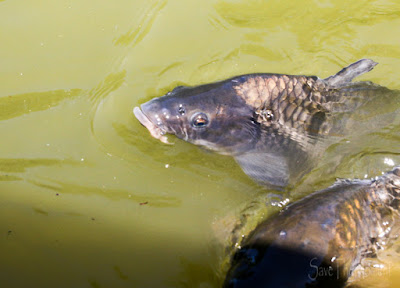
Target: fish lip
<point x="155" y="130"/>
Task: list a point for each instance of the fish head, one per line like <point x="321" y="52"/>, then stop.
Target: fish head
<point x="225" y="118"/>
<point x="210" y="115"/>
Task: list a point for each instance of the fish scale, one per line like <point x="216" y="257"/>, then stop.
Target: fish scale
<point x="294" y="100"/>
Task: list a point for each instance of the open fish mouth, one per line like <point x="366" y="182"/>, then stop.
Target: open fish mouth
<point x="155" y="131"/>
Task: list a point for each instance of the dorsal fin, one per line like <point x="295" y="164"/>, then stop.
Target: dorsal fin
<point x="347" y="74"/>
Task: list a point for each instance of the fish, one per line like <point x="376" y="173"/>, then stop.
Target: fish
<point x="276" y="126"/>
<point x="319" y="240"/>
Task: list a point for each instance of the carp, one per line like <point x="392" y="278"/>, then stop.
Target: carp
<point x="319" y="240"/>
<point x="276" y="126"/>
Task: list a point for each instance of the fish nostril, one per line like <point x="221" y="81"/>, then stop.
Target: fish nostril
<point x="181" y="110"/>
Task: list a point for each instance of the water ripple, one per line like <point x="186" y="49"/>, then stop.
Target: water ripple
<point x="137" y="34"/>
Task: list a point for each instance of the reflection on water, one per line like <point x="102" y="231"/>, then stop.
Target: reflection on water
<point x="113" y="194"/>
<point x="20" y="165"/>
<point x="17" y="105"/>
<point x="75" y="152"/>
<point x="10" y="167"/>
<point x="9" y="178"/>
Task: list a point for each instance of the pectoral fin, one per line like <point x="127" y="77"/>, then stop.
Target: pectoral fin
<point x="347" y="74"/>
<point x="266" y="168"/>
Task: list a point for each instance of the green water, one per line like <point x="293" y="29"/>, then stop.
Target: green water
<point x="87" y="197"/>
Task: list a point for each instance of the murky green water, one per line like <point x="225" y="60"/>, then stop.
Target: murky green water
<point x="88" y="198"/>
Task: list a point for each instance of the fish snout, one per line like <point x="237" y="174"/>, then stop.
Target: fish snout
<point x="152" y="111"/>
<point x="149" y="118"/>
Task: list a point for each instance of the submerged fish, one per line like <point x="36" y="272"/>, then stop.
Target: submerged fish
<point x="274" y="125"/>
<point x="319" y="240"/>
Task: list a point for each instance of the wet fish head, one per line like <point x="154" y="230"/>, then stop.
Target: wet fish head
<point x="210" y="115"/>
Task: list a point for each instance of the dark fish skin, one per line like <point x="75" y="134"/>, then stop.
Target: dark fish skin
<point x="276" y="126"/>
<point x="319" y="240"/>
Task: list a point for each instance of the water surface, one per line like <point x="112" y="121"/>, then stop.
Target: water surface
<point x="89" y="199"/>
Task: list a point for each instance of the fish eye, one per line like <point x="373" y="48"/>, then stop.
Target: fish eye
<point x="200" y="120"/>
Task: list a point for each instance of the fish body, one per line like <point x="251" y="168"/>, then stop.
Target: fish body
<point x="319" y="240"/>
<point x="274" y="125"/>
